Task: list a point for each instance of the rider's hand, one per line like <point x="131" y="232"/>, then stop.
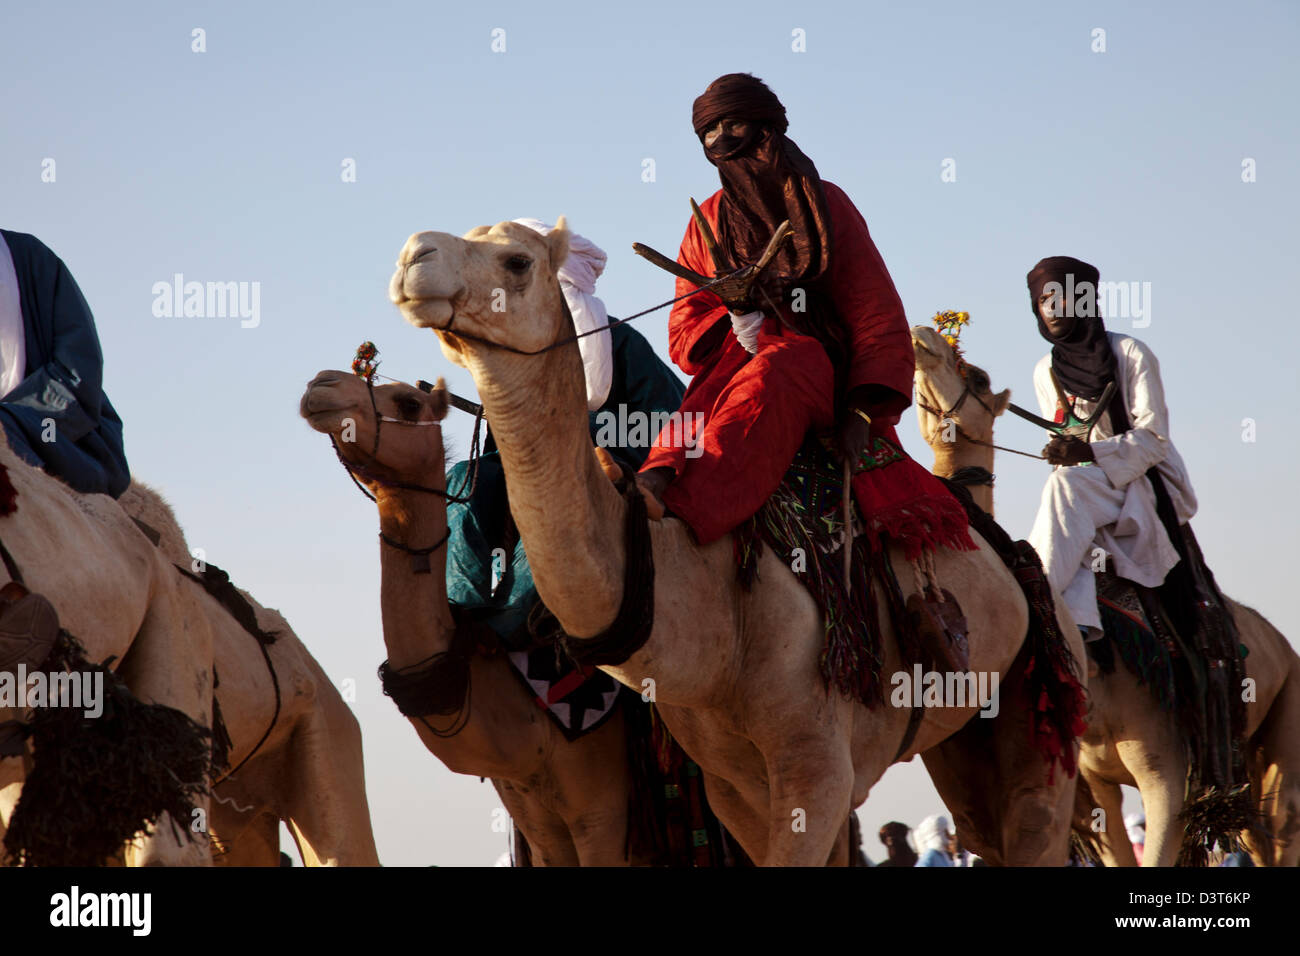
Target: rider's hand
<point x="1067" y="450"/>
<point x="854" y="437"/>
<point x="737" y="292"/>
<point x="746" y="329"/>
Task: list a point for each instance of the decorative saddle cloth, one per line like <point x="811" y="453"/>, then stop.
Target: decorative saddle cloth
<point x="893" y="500"/>
<point x="1197" y="679"/>
<point x="803" y="522"/>
<point x="1145" y="642"/>
<point x="578" y="698"/>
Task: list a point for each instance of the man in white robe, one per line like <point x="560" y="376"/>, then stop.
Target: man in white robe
<point x="1098" y="508"/>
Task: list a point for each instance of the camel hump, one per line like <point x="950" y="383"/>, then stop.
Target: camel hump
<point x="151" y="513"/>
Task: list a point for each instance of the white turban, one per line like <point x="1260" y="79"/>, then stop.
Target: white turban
<point x="578" y="277"/>
<point x="932" y="833"/>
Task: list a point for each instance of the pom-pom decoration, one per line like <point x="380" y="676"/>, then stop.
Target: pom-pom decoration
<point x="364" y="364"/>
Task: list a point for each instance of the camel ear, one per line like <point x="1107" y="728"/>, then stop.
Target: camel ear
<point x="438" y="399"/>
<point x="557" y="243"/>
<point x="1000" y="402"/>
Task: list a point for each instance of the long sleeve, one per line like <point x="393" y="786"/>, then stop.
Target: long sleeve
<point x="689" y="345"/>
<point x="1126" y="457"/>
<point x="68" y="386"/>
<point x="63" y="381"/>
<point x="868" y="303"/>
<point x="1048" y="406"/>
<point x="1146" y="444"/>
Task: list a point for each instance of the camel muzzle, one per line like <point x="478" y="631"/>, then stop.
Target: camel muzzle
<point x="428" y="278"/>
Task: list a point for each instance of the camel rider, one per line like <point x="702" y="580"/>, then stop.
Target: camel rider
<point x="1099" y="495"/>
<point x="821" y="344"/>
<point x="899" y="852"/>
<point x="933" y="841"/>
<point x="52" y="403"/>
<point x="486" y="565"/>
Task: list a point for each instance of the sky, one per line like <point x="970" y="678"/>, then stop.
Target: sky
<point x="975" y="139"/>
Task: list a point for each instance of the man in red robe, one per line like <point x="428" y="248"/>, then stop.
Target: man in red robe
<point x="820" y="343"/>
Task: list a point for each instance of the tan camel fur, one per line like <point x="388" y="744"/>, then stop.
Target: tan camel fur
<point x="1130" y="740"/>
<point x="735" y="674"/>
<point x="569" y="799"/>
<point x="309" y="772"/>
<point x="121" y="598"/>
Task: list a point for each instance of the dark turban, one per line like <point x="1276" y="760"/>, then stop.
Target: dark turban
<point x="738" y="96"/>
<point x="767" y="179"/>
<point x="1083" y="360"/>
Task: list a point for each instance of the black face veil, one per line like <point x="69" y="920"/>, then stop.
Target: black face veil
<point x="1082" y="358"/>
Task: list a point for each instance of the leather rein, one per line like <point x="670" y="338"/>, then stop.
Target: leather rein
<point x="968" y="392"/>
<point x="440" y="683"/>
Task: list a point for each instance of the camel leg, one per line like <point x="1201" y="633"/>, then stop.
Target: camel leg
<point x="1279" y="759"/>
<point x="840" y="851"/>
<point x="737" y="815"/>
<point x="596" y="817"/>
<point x="1162" y="781"/>
<point x="326" y="807"/>
<point x="1035" y="813"/>
<point x="954" y="766"/>
<point x="995" y="783"/>
<point x="247" y="839"/>
<point x="170" y="663"/>
<point x="811" y="793"/>
<point x="549" y="841"/>
<point x="1116" y="850"/>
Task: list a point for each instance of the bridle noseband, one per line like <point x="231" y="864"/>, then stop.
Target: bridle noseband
<point x="968" y="392"/>
<point x="446" y="671"/>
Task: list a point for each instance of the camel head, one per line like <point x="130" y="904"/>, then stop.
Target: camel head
<point x="338" y="404"/>
<point x="496" y="283"/>
<point x="940" y="384"/>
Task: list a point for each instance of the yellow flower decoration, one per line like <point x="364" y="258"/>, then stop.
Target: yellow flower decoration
<point x="950" y="325"/>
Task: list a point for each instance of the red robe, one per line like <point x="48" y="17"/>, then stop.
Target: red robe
<point x="754" y="412"/>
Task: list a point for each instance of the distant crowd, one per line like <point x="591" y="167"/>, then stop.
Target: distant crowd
<point x="935" y="843"/>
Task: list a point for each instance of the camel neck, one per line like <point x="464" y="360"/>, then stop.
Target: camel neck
<point x="417" y="622"/>
<point x="570" y="517"/>
<point x="951" y="456"/>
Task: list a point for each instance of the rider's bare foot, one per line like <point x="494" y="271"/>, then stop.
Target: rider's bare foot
<point x="607" y="464"/>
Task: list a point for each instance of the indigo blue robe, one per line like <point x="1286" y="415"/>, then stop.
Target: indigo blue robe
<point x="642" y="383"/>
<point x="63" y="382"/>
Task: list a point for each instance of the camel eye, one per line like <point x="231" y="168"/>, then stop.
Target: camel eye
<point x="518" y="264"/>
<point x="408" y="407"/>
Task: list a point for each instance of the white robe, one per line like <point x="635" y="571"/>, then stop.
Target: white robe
<point x="1110" y="504"/>
<point x="13" y="333"/>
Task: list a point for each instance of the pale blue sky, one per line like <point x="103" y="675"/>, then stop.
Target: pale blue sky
<point x="225" y="166"/>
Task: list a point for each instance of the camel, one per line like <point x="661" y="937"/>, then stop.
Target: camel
<point x="115" y="592"/>
<point x="568" y="799"/>
<point x="1130" y="740"/>
<point x="735" y="674"/>
<point x="308" y="771"/>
